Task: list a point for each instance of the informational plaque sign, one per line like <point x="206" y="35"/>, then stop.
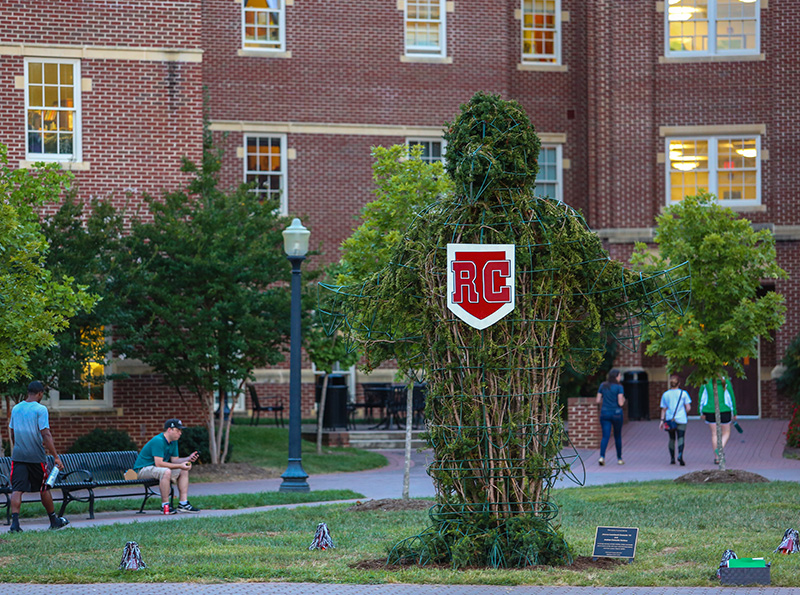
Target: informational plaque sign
<point x="615" y="542"/>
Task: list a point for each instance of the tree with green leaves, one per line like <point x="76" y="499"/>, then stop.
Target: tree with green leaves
<point x="728" y="259"/>
<point x="405" y="185"/>
<point x="789" y="380"/>
<point x="81" y="245"/>
<point x="35" y="303"/>
<point x="204" y="291"/>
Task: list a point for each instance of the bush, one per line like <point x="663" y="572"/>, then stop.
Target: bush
<point x="789" y="381"/>
<point x="103" y="440"/>
<point x="793" y="433"/>
<point x="196" y="439"/>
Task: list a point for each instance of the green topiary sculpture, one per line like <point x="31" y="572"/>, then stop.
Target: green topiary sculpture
<point x="493" y="412"/>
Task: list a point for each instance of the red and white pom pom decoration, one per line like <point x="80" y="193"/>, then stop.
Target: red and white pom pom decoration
<point x="322" y="538"/>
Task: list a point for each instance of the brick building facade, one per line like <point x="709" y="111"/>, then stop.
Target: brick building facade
<point x="636" y="102"/>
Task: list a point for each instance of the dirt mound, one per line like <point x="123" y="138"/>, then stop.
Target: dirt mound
<point x="391" y="504"/>
<point x="717" y="476"/>
<point x="231" y="472"/>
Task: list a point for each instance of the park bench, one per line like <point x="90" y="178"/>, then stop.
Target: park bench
<point x="84" y="473"/>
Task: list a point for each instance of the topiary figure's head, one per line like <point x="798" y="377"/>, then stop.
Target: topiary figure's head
<point x="491" y="143"/>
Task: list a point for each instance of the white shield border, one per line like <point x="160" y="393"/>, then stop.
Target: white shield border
<point x="502" y="311"/>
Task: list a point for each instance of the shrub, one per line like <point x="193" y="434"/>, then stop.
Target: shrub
<point x="196" y="439"/>
<point x="793" y="433"/>
<point x="103" y="440"/>
<point x="789" y="381"/>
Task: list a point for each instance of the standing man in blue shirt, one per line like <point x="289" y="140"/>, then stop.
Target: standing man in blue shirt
<point x="159" y="460"/>
<point x="30" y="433"/>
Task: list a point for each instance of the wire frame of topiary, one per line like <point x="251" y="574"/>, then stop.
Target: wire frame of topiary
<point x="493" y="414"/>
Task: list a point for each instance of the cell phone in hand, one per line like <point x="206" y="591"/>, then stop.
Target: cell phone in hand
<point x="738" y="427"/>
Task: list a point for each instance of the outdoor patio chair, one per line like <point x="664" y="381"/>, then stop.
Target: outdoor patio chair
<point x="276" y="409"/>
<point x="375" y="395"/>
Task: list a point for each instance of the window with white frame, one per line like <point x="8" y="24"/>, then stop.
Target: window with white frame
<point x="265" y="166"/>
<point x="541" y="31"/>
<point x="52" y="109"/>
<point x="425" y="28"/>
<point x="727" y="166"/>
<point x="432" y="149"/>
<point x="82" y="383"/>
<point x="548" y="180"/>
<point x="264" y="24"/>
<point x="712" y="27"/>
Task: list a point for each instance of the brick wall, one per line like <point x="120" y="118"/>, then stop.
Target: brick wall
<point x="141" y="116"/>
<point x="584" y="422"/>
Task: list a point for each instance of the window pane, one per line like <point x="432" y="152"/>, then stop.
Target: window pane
<point x="51" y="74"/>
<point x="262" y="24"/>
<point x="725" y="166"/>
<point x="263" y="162"/>
<point x="35" y="96"/>
<point x="51" y="97"/>
<point x="424" y="23"/>
<point x="431" y="149"/>
<point x="540" y="30"/>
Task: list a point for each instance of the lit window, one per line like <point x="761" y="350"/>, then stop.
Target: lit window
<point x="548" y="180"/>
<point x="265" y="166"/>
<point x="712" y="27"/>
<point x="432" y="150"/>
<point x="728" y="167"/>
<point x="541" y="31"/>
<point x="83" y="379"/>
<point x="52" y="110"/>
<point x="263" y="24"/>
<point x="425" y="32"/>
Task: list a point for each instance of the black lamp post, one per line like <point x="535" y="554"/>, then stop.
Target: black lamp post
<point x="295" y="244"/>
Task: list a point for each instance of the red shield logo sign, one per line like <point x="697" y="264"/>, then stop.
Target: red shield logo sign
<point x="480" y="282"/>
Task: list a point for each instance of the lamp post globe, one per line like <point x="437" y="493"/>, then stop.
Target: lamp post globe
<point x="295" y="244"/>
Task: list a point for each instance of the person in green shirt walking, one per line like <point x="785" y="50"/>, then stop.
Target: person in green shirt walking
<point x="727" y="411"/>
<point x="159" y="460"/>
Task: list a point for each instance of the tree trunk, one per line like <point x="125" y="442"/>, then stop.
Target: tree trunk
<point x="720" y="453"/>
<point x="226" y="436"/>
<point x="321" y="412"/>
<point x="409" y="423"/>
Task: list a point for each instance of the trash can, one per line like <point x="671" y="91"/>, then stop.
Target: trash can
<point x="335" y="414"/>
<point x="637" y="392"/>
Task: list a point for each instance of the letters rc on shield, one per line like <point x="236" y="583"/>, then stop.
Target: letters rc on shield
<point x="480" y="282"/>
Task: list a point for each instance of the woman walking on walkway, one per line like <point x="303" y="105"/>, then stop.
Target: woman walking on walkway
<point x="675" y="405"/>
<point x="727" y="411"/>
<point x="611" y="398"/>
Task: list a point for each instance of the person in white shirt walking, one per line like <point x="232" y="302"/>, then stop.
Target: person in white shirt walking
<point x="675" y="404"/>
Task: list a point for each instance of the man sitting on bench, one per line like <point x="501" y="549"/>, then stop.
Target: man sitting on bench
<point x="159" y="460"/>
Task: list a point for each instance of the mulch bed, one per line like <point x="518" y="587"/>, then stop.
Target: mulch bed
<point x="390" y="504"/>
<point x="717" y="476"/>
<point x="579" y="564"/>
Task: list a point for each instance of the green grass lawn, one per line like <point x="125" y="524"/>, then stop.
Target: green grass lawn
<point x="683" y="531"/>
<point x="267" y="446"/>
